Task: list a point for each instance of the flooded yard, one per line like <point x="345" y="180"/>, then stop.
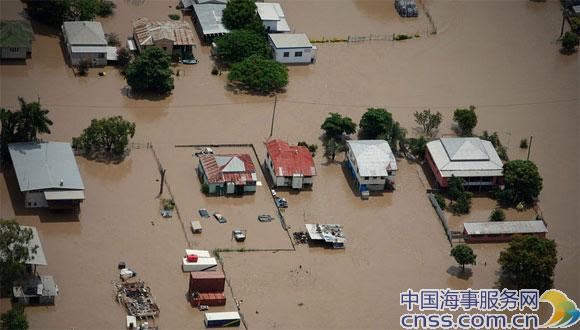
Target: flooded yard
<point x="501" y="57"/>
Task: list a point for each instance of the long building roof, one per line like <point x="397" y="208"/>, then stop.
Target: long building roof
<point x="289" y="160"/>
<point x="505" y="227"/>
<point x="45" y="165"/>
<point x="373" y="157"/>
<point x="465" y="157"/>
<point x="209" y="16"/>
<point x="288" y="40"/>
<point x="147" y="32"/>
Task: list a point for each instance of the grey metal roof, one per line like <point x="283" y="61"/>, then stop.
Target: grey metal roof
<point x="288" y="40"/>
<point x="45" y="165"/>
<point x="272" y="12"/>
<point x="37" y="258"/>
<point x="80" y="33"/>
<point x="373" y="157"/>
<point x="505" y="227"/>
<point x="210" y="18"/>
<point x="465" y="157"/>
<point x="89" y="49"/>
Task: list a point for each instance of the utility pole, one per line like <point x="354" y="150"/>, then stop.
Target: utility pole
<point x="530" y="147"/>
<point x="273" y="114"/>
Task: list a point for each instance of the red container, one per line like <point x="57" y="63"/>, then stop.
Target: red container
<point x="209" y="299"/>
<point x="207" y="282"/>
<point x="191" y="257"/>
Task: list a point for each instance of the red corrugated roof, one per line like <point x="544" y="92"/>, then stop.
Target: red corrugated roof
<point x="289" y="160"/>
<point x="216" y="174"/>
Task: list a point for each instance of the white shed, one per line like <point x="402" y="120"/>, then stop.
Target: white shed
<point x="292" y="48"/>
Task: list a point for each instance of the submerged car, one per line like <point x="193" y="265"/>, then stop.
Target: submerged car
<point x="281" y="202"/>
<point x="220" y="218"/>
<point x="265" y="218"/>
<point x="239" y="235"/>
<point x="204" y="151"/>
<point x="189" y="61"/>
<point x="203" y="213"/>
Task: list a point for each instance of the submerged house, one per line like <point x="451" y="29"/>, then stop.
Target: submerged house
<point x="470" y="158"/>
<point x="292" y="48"/>
<point x="372" y="163"/>
<point x="85" y="41"/>
<point x="174" y="37"/>
<point x="228" y="174"/>
<point x="289" y="166"/>
<point x="16" y="39"/>
<point x="272" y="17"/>
<point x="47" y="174"/>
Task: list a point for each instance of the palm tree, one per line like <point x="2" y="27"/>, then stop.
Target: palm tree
<point x="32" y="120"/>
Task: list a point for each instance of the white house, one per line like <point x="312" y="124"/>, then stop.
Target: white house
<point x="47" y="174"/>
<point x="292" y="48"/>
<point x="372" y="164"/>
<point x="85" y="41"/>
<point x="272" y="17"/>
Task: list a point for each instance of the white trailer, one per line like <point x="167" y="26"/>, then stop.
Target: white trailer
<point x="201" y="265"/>
<point x="223" y="319"/>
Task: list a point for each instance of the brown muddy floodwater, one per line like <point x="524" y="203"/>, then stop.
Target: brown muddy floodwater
<point x="521" y="86"/>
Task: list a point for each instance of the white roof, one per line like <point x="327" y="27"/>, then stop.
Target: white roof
<point x="88" y="49"/>
<point x="287" y="40"/>
<point x="37" y="258"/>
<point x="111" y="53"/>
<point x="373" y="157"/>
<point x="505" y="227"/>
<point x="45" y="165"/>
<point x="54" y="195"/>
<point x="222" y="315"/>
<point x="210" y="18"/>
<point x="272" y="12"/>
<point x="131" y="45"/>
<point x="199" y="253"/>
<point x="84" y="33"/>
<point x="196" y="225"/>
<point x="330" y="233"/>
<point x="465" y="157"/>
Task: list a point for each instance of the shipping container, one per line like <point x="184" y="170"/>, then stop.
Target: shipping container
<point x="223" y="319"/>
<point x="207" y="281"/>
<point x="202" y="264"/>
<point x="209" y="299"/>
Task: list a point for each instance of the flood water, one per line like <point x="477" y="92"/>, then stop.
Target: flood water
<point x="501" y="57"/>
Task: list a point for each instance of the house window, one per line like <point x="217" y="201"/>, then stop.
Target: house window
<point x="286" y="54"/>
<point x="366" y="178"/>
<point x="165" y="48"/>
<point x="14" y="49"/>
<point x="101" y="55"/>
<point x="297" y="54"/>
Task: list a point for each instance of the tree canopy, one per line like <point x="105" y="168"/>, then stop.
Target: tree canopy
<point x="569" y="42"/>
<point x="463" y="255"/>
<point x="466" y="119"/>
<point x="522" y="182"/>
<point x="105" y="137"/>
<point x="378" y="123"/>
<point x="239" y="44"/>
<point x="23" y="125"/>
<point x="150" y="72"/>
<point x="55" y="12"/>
<point x="335" y="125"/>
<point x="428" y="120"/>
<point x="259" y="75"/>
<point x="529" y="262"/>
<point x="242" y="14"/>
<point x="14" y="319"/>
<point x="14" y="252"/>
<point x="460" y="197"/>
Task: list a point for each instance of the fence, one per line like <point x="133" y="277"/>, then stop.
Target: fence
<point x="385" y="37"/>
<point x="441" y="216"/>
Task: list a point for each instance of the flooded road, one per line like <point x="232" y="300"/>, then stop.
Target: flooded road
<point x="520" y="85"/>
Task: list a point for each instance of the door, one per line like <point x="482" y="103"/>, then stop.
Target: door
<point x="297" y="180"/>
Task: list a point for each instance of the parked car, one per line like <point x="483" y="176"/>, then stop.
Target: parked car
<point x="204" y="151"/>
<point x="203" y="213"/>
<point x="239" y="235"/>
<point x="265" y="218"/>
<point x="281" y="202"/>
<point x="189" y="61"/>
<point x="220" y="218"/>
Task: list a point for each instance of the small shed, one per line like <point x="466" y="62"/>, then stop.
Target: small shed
<point x="292" y="48"/>
<point x="36" y="290"/>
<point x="272" y="17"/>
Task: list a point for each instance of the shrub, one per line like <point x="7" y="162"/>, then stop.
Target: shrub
<point x="440" y="200"/>
<point x="497" y="215"/>
<point x="417" y="146"/>
<point x="463" y="204"/>
<point x="466" y="120"/>
<point x="311" y="147"/>
<point x="83" y="67"/>
<point x="174" y="17"/>
<point x="123" y="57"/>
<point x="14" y="319"/>
<point x="524" y="143"/>
<point x="168" y="204"/>
<point x="214" y="70"/>
<point x="113" y="39"/>
<point x="400" y="37"/>
<point x="106" y="8"/>
<point x="205" y="188"/>
<point x="569" y="42"/>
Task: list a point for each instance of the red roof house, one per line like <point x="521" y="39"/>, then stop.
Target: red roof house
<point x="228" y="174"/>
<point x="289" y="165"/>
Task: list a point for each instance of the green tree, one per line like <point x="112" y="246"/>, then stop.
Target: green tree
<point x="570" y="41"/>
<point x="8" y="122"/>
<point x="150" y="72"/>
<point x="498" y="146"/>
<point x="529" y="262"/>
<point x="14" y="319"/>
<point x="123" y="57"/>
<point x="332" y="147"/>
<point x="455" y="187"/>
<point x="335" y="126"/>
<point x="32" y="120"/>
<point x="575" y="24"/>
<point x="55" y="12"/>
<point x="463" y="255"/>
<point x="417" y="146"/>
<point x="107" y="137"/>
<point x="497" y="215"/>
<point x="239" y="44"/>
<point x="242" y="14"/>
<point x="466" y="119"/>
<point x="14" y="252"/>
<point x="463" y="204"/>
<point x="522" y="182"/>
<point x="428" y="120"/>
<point x="259" y="75"/>
<point x="378" y="123"/>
